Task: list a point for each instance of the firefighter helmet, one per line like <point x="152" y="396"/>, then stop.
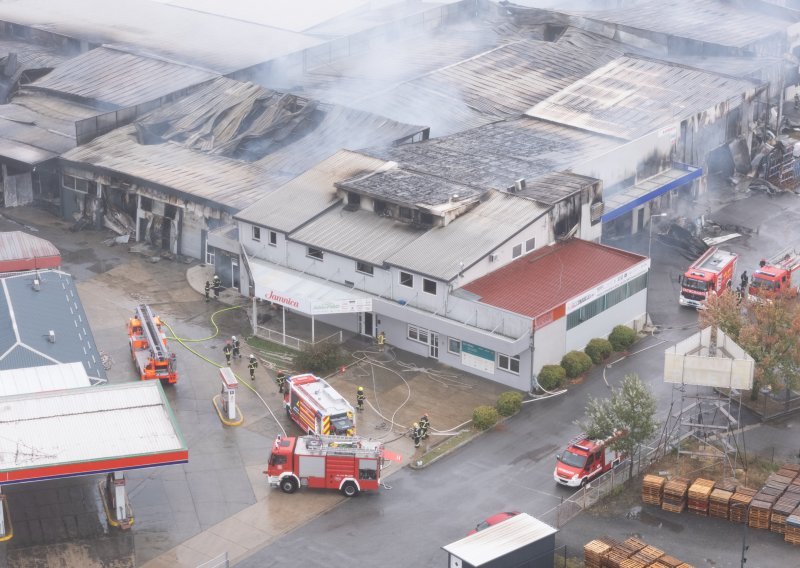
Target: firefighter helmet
<point x="416" y="426"/>
<point x="252" y="357"/>
<point x="360" y="389"/>
<point x="233" y="337"/>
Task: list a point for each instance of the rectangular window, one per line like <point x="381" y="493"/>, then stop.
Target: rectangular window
<point x="429" y="286"/>
<point x="273" y="238"/>
<point x="516" y="251"/>
<point x="608" y="300"/>
<point x="406" y="279"/>
<point x="530" y="244"/>
<point x="405" y="213"/>
<point x="256" y="233"/>
<point x="365" y="268"/>
<point x="146" y="203"/>
<point x="77" y="184"/>
<point x="314" y="253"/>
<point x="508" y="363"/>
<point x="418" y="334"/>
<point x="210" y="256"/>
<point x="454" y="345"/>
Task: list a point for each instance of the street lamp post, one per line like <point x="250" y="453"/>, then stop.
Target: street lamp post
<point x="743" y="559"/>
<point x="650" y="239"/>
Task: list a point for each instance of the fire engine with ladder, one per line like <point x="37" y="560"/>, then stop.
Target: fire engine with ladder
<point x="712" y="272"/>
<point x="775" y="275"/>
<point x="584" y="459"/>
<point x="350" y="464"/>
<point x="148" y="344"/>
<point x="317" y="407"/>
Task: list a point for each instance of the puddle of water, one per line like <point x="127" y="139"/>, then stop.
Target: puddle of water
<point x="648" y="518"/>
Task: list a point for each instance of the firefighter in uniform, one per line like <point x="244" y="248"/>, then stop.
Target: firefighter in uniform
<point x="252" y="365"/>
<point x="416" y="434"/>
<point x="280" y="379"/>
<point x="360" y="396"/>
<point x="227" y="350"/>
<point x="235" y="343"/>
<point x="424" y="425"/>
<point x="382" y="341"/>
<point x="216" y="283"/>
<point x="208" y="290"/>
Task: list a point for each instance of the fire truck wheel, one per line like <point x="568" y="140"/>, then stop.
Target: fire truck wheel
<point x="288" y="485"/>
<point x="349" y="489"/>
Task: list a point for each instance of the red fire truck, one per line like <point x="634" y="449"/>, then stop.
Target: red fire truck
<point x="712" y="272"/>
<point x="584" y="459"/>
<point x="775" y="275"/>
<point x="348" y="463"/>
<point x="148" y="344"/>
<point x="317" y="408"/>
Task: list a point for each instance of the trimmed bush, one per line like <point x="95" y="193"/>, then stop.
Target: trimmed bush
<point x="508" y="403"/>
<point x="622" y="337"/>
<point x="551" y="377"/>
<point x="320" y="359"/>
<point x="598" y="350"/>
<point x="484" y="417"/>
<point x="576" y="363"/>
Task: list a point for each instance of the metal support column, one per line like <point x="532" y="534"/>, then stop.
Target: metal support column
<point x="2" y="514"/>
<point x="120" y="502"/>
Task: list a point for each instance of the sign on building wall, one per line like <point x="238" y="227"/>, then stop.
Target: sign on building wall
<point x="318" y="307"/>
<point x="608" y="285"/>
<point x="477" y="357"/>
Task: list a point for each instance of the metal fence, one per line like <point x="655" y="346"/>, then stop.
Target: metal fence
<point x="598" y="488"/>
<point x="220" y="561"/>
<point x="295" y="343"/>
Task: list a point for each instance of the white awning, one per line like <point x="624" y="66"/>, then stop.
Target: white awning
<point x="45" y="378"/>
<point x="304" y="293"/>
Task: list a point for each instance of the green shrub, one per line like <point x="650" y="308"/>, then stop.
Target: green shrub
<point x="576" y="363"/>
<point x="508" y="403"/>
<point x="551" y="377"/>
<point x="320" y="359"/>
<point x="598" y="350"/>
<point x="484" y="417"/>
<point x="622" y="337"/>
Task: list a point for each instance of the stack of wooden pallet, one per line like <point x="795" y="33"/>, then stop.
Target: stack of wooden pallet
<point x="594" y="551"/>
<point x="784" y="506"/>
<point x="674" y="497"/>
<point x="792" y="534"/>
<point x="652" y="489"/>
<point x="718" y="503"/>
<point x="667" y="561"/>
<point x="648" y="555"/>
<point x="727" y="485"/>
<point x="632" y="553"/>
<point x="739" y="503"/>
<point x="760" y="510"/>
<point x="699" y="493"/>
<point x="790" y="470"/>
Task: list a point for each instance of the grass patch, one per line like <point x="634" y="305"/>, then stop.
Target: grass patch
<point x="445" y="446"/>
<point x="269" y="346"/>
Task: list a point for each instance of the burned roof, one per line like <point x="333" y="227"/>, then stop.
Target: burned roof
<point x="633" y="96"/>
<point x="29" y="311"/>
<point x="114" y="79"/>
<point x="409" y="188"/>
<point x="20" y="59"/>
<point x="554" y="187"/>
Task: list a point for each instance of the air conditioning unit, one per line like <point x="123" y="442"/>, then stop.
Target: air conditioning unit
<point x="51" y="336"/>
<point x="493" y="257"/>
<point x="36" y="284"/>
<point x="519" y="185"/>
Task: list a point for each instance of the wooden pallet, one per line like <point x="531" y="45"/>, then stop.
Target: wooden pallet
<point x="699" y="493"/>
<point x="792" y="534"/>
<point x="759" y="514"/>
<point x="782" y="509"/>
<point x="739" y="503"/>
<point x="670" y="561"/>
<point x="652" y="489"/>
<point x="675" y="495"/>
<point x="727" y="485"/>
<point x="648" y="555"/>
<point x="718" y="503"/>
<point x="593" y="553"/>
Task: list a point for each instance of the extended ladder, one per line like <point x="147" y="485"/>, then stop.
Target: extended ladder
<point x="151" y="332"/>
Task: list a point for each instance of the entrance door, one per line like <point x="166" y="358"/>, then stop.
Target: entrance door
<point x="235" y="272"/>
<point x="433" y="345"/>
<point x="366" y="324"/>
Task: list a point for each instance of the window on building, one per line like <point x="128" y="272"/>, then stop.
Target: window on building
<point x="353" y="198"/>
<point x="426" y="219"/>
<point x="429" y="286"/>
<point x="379" y="207"/>
<point x="407" y="279"/>
<point x="418" y="334"/>
<point x="365" y="268"/>
<point x="508" y="363"/>
<point x="516" y="251"/>
<point x="256" y="233"/>
<point x="530" y="244"/>
<point x="314" y="253"/>
<point x="606" y="301"/>
<point x="405" y="213"/>
<point x="273" y="238"/>
<point x="78" y="184"/>
<point x="146" y="203"/>
<point x="454" y="345"/>
<point x="210" y="256"/>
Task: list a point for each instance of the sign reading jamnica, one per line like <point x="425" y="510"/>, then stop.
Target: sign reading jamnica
<point x="319" y="307"/>
<point x="608" y="285"/>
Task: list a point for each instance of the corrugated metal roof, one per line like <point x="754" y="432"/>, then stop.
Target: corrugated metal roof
<point x="708" y="21"/>
<point x="16" y="245"/>
<point x="361" y="235"/>
<point x="40" y="379"/>
<point x="755" y="68"/>
<point x="222" y="44"/>
<point x="501" y="539"/>
<point x="444" y="252"/>
<point x="309" y="194"/>
<point x="27" y="315"/>
<point x="549" y="276"/>
<point x="35" y="128"/>
<point x="29" y="57"/>
<point x="119" y="79"/>
<point x="190" y="174"/>
<point x="554" y="187"/>
<point x="65" y="432"/>
<point x="633" y="96"/>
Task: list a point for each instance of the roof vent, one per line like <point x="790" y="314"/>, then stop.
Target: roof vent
<point x="36" y="284"/>
<point x="519" y="185"/>
<point x="51" y="336"/>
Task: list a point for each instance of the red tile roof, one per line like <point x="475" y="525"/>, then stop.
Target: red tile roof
<point x="548" y="277"/>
